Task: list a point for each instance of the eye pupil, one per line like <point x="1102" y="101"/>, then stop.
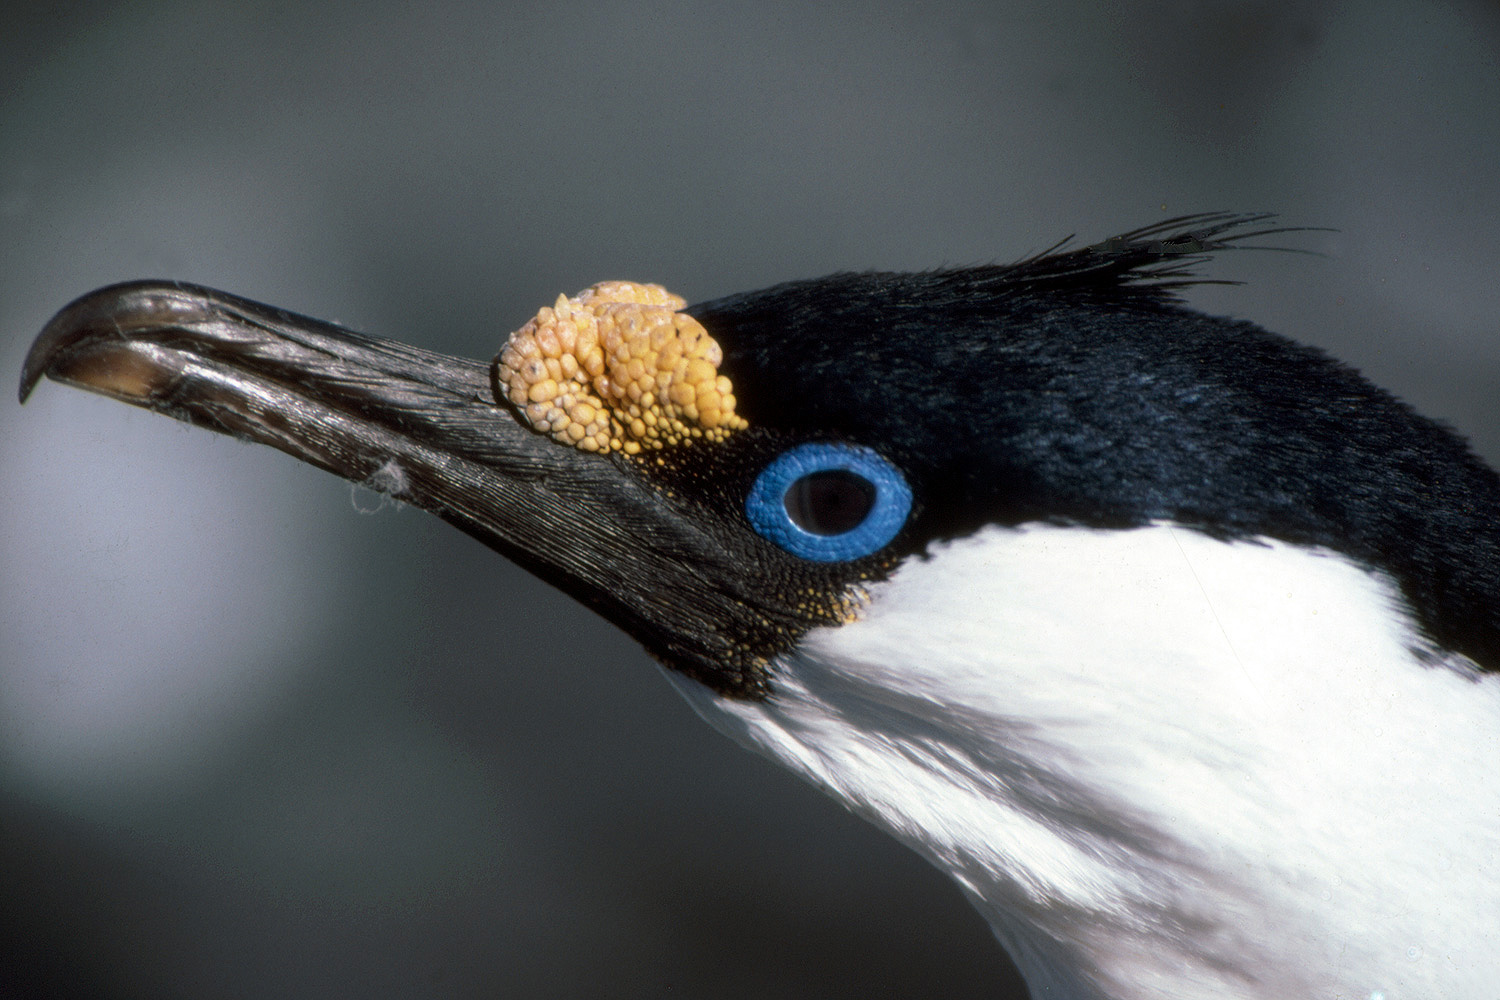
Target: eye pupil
<point x="830" y="502"/>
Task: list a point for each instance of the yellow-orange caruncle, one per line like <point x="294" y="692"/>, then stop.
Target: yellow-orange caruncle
<point x="618" y="368"/>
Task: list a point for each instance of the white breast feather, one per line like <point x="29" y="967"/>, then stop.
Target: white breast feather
<point x="1165" y="766"/>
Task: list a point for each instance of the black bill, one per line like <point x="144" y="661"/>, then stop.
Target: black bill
<point x="426" y="429"/>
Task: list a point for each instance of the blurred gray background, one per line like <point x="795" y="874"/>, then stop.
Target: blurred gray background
<point x="262" y="736"/>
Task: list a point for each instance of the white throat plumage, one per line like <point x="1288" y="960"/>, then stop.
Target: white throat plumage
<point x="1164" y="765"/>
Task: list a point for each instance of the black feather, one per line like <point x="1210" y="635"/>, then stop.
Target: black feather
<point x="1075" y="387"/>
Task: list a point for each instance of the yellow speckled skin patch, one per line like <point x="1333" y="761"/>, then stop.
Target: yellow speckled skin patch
<point x="618" y="367"/>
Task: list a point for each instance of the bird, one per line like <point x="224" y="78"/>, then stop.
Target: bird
<point x="1174" y="642"/>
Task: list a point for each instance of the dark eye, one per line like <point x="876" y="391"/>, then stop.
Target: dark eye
<point x="833" y="502"/>
<point x="829" y="502"/>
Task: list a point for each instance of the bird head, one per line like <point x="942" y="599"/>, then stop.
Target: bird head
<point x="818" y="505"/>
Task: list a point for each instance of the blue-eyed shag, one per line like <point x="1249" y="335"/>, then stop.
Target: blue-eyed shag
<point x="1174" y="642"/>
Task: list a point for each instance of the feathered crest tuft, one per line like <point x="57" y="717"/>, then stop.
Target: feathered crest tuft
<point x="1152" y="260"/>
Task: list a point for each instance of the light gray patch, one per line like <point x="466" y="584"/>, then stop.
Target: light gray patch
<point x="388" y="483"/>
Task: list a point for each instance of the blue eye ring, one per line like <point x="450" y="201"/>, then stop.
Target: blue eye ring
<point x="889" y="501"/>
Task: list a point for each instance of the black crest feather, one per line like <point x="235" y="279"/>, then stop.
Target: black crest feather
<point x="1154" y="260"/>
